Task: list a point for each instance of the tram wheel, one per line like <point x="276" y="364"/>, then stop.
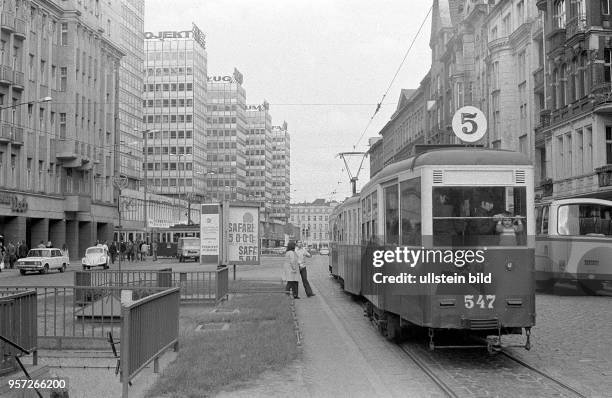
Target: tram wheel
<point x="393" y="330"/>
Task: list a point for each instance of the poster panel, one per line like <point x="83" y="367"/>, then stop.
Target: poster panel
<point x="243" y="235"/>
<point x="210" y="230"/>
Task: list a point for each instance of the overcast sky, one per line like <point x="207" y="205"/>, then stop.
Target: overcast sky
<point x="321" y="64"/>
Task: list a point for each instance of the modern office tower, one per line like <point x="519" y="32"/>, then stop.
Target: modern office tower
<point x="227" y="126"/>
<point x="259" y="157"/>
<point x="174" y="102"/>
<point x="281" y="175"/>
<point x="59" y="106"/>
<point x="130" y="92"/>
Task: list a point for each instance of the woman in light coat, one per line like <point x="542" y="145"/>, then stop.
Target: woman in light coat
<point x="291" y="270"/>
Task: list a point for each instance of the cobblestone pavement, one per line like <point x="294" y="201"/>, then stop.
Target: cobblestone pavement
<point x="572" y="340"/>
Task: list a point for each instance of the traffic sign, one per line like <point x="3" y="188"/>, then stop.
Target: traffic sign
<point x="469" y="124"/>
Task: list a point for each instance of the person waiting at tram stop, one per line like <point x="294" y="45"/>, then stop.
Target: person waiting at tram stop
<point x="507" y="227"/>
<point x="302" y="253"/>
<point x="291" y="270"/>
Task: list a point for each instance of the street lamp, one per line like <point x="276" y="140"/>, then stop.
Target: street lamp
<point x="145" y="177"/>
<point x="44" y="99"/>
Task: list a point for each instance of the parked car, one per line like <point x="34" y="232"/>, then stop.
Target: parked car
<point x="324" y="251"/>
<point x="42" y="260"/>
<point x="188" y="247"/>
<point x="96" y="256"/>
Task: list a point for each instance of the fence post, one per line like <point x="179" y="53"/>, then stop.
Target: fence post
<point x="125" y="351"/>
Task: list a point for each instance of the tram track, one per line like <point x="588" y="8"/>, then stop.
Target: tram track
<point x="452" y="387"/>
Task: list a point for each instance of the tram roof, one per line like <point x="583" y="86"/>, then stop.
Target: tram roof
<point x="468" y="156"/>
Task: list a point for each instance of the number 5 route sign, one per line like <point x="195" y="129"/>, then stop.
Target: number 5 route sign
<point x="469" y="124"/>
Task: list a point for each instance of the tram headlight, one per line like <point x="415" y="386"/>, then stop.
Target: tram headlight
<point x="509" y="266"/>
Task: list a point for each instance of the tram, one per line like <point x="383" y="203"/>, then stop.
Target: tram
<point x="167" y="238"/>
<point x="470" y="213"/>
<point x="574" y="243"/>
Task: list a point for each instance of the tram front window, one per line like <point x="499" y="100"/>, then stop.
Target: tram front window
<point x="479" y="216"/>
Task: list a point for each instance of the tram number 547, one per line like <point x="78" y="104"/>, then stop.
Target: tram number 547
<point x="481" y="301"/>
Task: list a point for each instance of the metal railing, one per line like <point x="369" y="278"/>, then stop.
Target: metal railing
<point x="18" y="324"/>
<point x="194" y="285"/>
<point x="62" y="321"/>
<point x="149" y="326"/>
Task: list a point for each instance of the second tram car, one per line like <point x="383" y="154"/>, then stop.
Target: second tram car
<point x="574" y="243"/>
<point x="450" y="201"/>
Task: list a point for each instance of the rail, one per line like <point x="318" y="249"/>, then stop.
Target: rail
<point x="195" y="285"/>
<point x="149" y="326"/>
<point x="17" y="324"/>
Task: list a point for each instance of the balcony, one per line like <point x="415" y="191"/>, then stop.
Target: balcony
<point x="11" y="134"/>
<point x="575" y="26"/>
<point x="6" y="75"/>
<point x="7" y="22"/>
<point x="498" y="44"/>
<point x="20" y="28"/>
<point x="18" y="81"/>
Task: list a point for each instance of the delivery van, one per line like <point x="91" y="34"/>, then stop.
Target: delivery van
<point x="188" y="248"/>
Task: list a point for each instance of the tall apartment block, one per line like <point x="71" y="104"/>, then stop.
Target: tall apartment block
<point x="130" y="92"/>
<point x="227" y="134"/>
<point x="58" y="120"/>
<point x="259" y="156"/>
<point x="174" y="101"/>
<point x="281" y="173"/>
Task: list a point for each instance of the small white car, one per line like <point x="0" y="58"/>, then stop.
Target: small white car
<point x="96" y="256"/>
<point x="42" y="260"/>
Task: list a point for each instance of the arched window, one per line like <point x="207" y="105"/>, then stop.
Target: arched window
<point x="563" y="86"/>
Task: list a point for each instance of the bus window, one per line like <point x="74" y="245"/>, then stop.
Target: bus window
<point x="584" y="219"/>
<point x="391" y="215"/>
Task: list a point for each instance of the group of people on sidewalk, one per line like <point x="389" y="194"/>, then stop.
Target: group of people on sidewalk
<point x="132" y="251"/>
<point x="294" y="268"/>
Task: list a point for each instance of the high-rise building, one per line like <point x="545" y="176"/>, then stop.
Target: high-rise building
<point x="259" y="156"/>
<point x="130" y="92"/>
<point x="58" y="118"/>
<point x="281" y="173"/>
<point x="227" y="128"/>
<point x="174" y="100"/>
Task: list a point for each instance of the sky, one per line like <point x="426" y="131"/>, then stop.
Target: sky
<point x="323" y="65"/>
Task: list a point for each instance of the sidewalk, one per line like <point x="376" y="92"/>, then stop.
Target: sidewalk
<point x="342" y="354"/>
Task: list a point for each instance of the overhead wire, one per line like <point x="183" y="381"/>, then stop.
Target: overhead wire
<point x="379" y="104"/>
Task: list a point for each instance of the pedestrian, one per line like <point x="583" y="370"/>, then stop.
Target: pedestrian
<point x="49" y="245"/>
<point x="41" y="245"/>
<point x="133" y="251"/>
<point x="139" y="253"/>
<point x="291" y="270"/>
<point x="144" y="250"/>
<point x="65" y="250"/>
<point x="112" y="250"/>
<point x="154" y="248"/>
<point x="11" y="254"/>
<point x="122" y="250"/>
<point x="302" y="253"/>
<point x="2" y="251"/>
<point x="23" y="250"/>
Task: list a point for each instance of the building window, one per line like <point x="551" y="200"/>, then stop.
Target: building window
<point x="559" y="14"/>
<point x="605" y="7"/>
<point x="608" y="145"/>
<point x="64" y="35"/>
<point x="607" y="64"/>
